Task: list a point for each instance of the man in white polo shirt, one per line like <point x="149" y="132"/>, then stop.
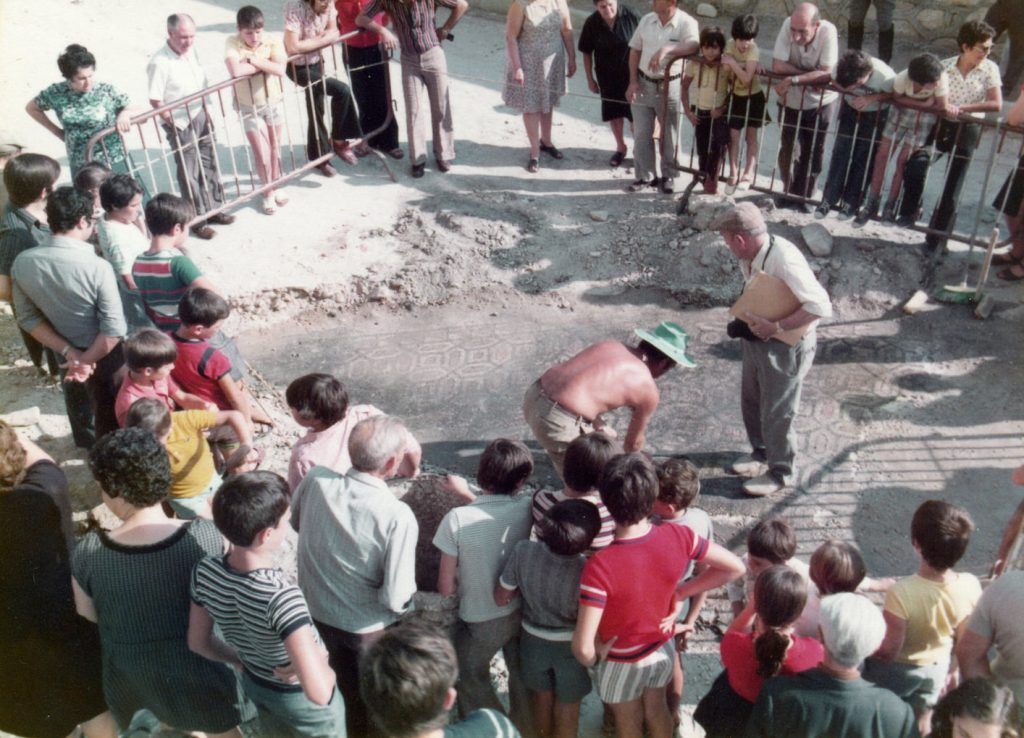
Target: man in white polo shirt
<point x="174" y="72"/>
<point x="806" y="49"/>
<point x="665" y="31"/>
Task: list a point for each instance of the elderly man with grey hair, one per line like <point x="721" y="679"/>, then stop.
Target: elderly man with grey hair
<point x="833" y="700"/>
<point x="356" y="553"/>
<point x="773" y="368"/>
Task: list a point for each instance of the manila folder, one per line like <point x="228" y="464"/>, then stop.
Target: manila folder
<point x="772" y="299"/>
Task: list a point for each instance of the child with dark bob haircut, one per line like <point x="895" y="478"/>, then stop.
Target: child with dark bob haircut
<point x="150" y="356"/>
<point x="264" y="620"/>
<point x="546" y="574"/>
<point x="925" y="611"/>
<point x="476" y="541"/>
<point x="407" y="680"/>
<point x="771" y="541"/>
<point x="319" y="403"/>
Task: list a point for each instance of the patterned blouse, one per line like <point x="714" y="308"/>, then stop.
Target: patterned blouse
<point x="300" y="18"/>
<point x="82" y="114"/>
<point x="975" y="86"/>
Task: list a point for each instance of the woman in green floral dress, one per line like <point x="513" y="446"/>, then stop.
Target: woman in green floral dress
<point x="84" y="107"/>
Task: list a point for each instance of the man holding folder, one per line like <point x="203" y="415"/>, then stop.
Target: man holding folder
<point x="781" y="302"/>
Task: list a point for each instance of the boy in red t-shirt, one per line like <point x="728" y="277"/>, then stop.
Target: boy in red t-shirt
<point x="202" y="369"/>
<point x="628" y="593"/>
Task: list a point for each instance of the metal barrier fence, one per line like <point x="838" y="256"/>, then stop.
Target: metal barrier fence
<point x="157" y="151"/>
<point x="976" y="155"/>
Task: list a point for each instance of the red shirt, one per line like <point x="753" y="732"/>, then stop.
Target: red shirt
<point x="634" y="582"/>
<point x="347" y="12"/>
<point x="198" y="370"/>
<point x="741" y="665"/>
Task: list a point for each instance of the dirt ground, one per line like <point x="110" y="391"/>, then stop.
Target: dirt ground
<point x="440" y="299"/>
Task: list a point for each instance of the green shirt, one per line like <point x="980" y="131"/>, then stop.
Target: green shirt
<point x="83" y="114"/>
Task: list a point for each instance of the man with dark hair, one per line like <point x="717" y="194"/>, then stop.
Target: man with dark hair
<point x="1004" y="17"/>
<point x="67" y="298"/>
<point x="174" y="72"/>
<point x="773" y="369"/>
<point x="570" y="398"/>
<point x="806" y="49"/>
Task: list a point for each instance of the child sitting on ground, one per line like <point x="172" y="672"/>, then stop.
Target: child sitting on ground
<point x="678" y="489"/>
<point x="546" y="574"/>
<point x="194" y="477"/>
<point x="927" y="611"/>
<point x="627" y="592"/>
<point x="407" y="680"/>
<point x="476" y="541"/>
<point x="203" y="368"/>
<point x="924" y="82"/>
<point x="264" y="621"/>
<point x="707" y="114"/>
<point x="319" y="403"/>
<point x="122" y="236"/>
<point x="584" y="459"/>
<point x="759" y="644"/>
<point x="771" y="541"/>
<point x="258" y="96"/>
<point x="150" y="356"/>
<point x="747" y="100"/>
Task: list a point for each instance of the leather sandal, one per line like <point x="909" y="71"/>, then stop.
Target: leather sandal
<point x="551" y="151"/>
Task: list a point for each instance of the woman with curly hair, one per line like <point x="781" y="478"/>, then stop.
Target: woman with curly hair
<point x="978" y="708"/>
<point x="134" y="583"/>
<point x="51" y="657"/>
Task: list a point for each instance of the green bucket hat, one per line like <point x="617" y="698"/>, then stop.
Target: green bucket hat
<point x="670" y="339"/>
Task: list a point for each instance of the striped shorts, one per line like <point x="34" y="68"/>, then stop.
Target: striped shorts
<point x="625" y="681"/>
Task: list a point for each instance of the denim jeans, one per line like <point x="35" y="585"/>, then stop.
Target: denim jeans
<point x="344" y="650"/>
<point x="853" y="155"/>
<point x="806" y="129"/>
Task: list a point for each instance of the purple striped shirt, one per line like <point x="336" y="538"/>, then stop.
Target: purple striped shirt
<point x="413" y="21"/>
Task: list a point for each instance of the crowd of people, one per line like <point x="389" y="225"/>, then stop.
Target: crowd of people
<point x="594" y="586"/>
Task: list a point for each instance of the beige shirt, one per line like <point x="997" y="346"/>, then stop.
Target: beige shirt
<point x="710" y="86"/>
<point x="259" y="89"/>
<point x="752" y="54"/>
<point x="650" y="35"/>
<point x="822" y="52"/>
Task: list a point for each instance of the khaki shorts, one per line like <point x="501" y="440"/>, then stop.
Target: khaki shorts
<point x="253" y="114"/>
<point x="553" y="426"/>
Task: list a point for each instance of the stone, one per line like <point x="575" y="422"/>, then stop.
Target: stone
<point x="817" y="238"/>
<point x="707" y="10"/>
<point x="703" y="209"/>
<point x="931" y="19"/>
<point x="586" y="230"/>
<point x="598" y="215"/>
<point x="21" y="418"/>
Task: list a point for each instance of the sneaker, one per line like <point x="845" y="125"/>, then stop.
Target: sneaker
<point x="762" y="486"/>
<point x="747" y="466"/>
<point x="889" y="212"/>
<point x="846" y="212"/>
<point x="904" y="220"/>
<point x="868" y="211"/>
<point x="822" y="210"/>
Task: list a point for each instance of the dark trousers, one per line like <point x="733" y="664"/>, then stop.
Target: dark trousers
<point x="853" y="155"/>
<point x="344" y="650"/>
<point x="949" y="137"/>
<point x="344" y="118"/>
<point x="806" y="129"/>
<point x="90" y="404"/>
<point x="712" y="137"/>
<point x="372" y="93"/>
<point x="196" y="163"/>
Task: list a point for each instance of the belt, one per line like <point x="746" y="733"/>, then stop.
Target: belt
<point x="561" y="408"/>
<point x="656" y="79"/>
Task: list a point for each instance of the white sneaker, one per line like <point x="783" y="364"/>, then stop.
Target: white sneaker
<point x="747" y="466"/>
<point x="762" y="486"/>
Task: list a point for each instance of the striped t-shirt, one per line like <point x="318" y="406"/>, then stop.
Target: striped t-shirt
<point x="545" y="499"/>
<point x="162" y="279"/>
<point x="255" y="611"/>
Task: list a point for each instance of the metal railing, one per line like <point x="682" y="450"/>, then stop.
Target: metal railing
<point x="153" y="158"/>
<point x="992" y="160"/>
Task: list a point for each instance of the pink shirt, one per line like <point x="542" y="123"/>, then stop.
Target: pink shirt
<point x="131" y="391"/>
<point x="328" y="447"/>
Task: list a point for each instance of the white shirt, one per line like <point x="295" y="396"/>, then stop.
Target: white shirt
<point x="787" y="263"/>
<point x="903" y="85"/>
<point x="172" y="77"/>
<point x="880" y="81"/>
<point x="650" y="35"/>
<point x="973" y="88"/>
<point x="822" y="52"/>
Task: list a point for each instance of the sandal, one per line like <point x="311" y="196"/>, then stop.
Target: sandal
<point x="268" y="206"/>
<point x="281" y="200"/>
<point x="745" y="183"/>
<point x="1009" y="275"/>
<point x="617" y="158"/>
<point x="1007" y="259"/>
<point x="533" y="165"/>
<point x="551" y="151"/>
<point x="395" y="153"/>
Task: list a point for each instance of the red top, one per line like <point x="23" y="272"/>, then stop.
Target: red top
<point x="198" y="368"/>
<point x="741" y="664"/>
<point x="634" y="582"/>
<point x="347" y="12"/>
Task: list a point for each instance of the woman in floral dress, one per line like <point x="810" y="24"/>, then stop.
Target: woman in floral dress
<point x="84" y="107"/>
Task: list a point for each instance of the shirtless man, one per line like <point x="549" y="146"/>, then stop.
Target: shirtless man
<point x="570" y="398"/>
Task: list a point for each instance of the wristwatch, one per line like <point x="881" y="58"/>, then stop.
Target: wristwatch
<point x="64" y="351"/>
<point x="793" y="79"/>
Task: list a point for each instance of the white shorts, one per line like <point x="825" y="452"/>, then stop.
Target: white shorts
<point x="625" y="681"/>
<point x="252" y="114"/>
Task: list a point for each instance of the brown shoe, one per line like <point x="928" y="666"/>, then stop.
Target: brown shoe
<point x="221" y="219"/>
<point x="443" y="166"/>
<point x="361" y="149"/>
<point x="395" y="153"/>
<point x="343" y="150"/>
<point x="327" y="170"/>
<point x="203" y="231"/>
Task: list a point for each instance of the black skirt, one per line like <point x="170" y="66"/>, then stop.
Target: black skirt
<point x="747" y="110"/>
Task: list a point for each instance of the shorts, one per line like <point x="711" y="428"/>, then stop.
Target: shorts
<point x="191" y="507"/>
<point x="912" y="127"/>
<point x="747" y="111"/>
<point x="291" y="713"/>
<point x="625" y="681"/>
<point x="549" y="666"/>
<point x="918" y="686"/>
<point x="270" y="113"/>
<point x="553" y="426"/>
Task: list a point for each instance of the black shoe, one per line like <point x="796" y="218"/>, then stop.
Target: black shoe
<point x="640" y="185"/>
<point x="822" y="210"/>
<point x="869" y="211"/>
<point x="847" y="211"/>
<point x="443" y="166"/>
<point x="551" y="151"/>
<point x="906" y="221"/>
<point x="221" y="219"/>
<point x="667" y="186"/>
<point x="418" y="170"/>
